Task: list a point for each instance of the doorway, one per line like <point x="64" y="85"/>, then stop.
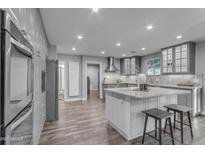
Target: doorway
<point x="93" y="81"/>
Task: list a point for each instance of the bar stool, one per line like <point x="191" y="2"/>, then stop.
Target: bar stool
<point x="181" y="110"/>
<point x="158" y="115"/>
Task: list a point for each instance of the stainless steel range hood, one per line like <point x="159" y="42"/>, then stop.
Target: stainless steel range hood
<point x="111" y="66"/>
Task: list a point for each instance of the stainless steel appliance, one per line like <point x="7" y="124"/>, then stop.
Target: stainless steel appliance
<point x="19" y="131"/>
<point x="111" y="66"/>
<point x="51" y="90"/>
<point x="16" y="72"/>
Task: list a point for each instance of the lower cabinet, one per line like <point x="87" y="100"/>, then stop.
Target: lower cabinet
<point x="185" y="100"/>
<point x="118" y="113"/>
<point x="125" y="113"/>
<point x="109" y="108"/>
<point x="39" y="105"/>
<point x="39" y="115"/>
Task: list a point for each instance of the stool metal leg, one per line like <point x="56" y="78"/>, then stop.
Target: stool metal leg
<point x="174" y="120"/>
<point x="160" y="132"/>
<point x="145" y="126"/>
<point x="189" y="117"/>
<point x="155" y="128"/>
<point x="182" y="133"/>
<point x="171" y="132"/>
<point x="165" y="127"/>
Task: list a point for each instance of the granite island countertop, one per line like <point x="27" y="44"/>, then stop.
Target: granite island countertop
<point x="175" y="86"/>
<point x="151" y="92"/>
<point x="114" y="83"/>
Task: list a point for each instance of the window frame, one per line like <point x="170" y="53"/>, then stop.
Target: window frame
<point x="153" y="66"/>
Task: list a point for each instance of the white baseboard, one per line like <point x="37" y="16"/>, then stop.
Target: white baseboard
<point x="84" y="99"/>
<point x="94" y="89"/>
<point x="203" y="113"/>
<point x="77" y="99"/>
<point x="72" y="99"/>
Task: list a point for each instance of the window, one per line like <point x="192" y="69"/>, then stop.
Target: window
<point x="153" y="66"/>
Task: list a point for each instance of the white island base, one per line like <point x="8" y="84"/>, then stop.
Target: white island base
<point x="124" y="109"/>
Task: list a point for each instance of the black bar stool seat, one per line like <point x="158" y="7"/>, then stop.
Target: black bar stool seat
<point x="178" y="108"/>
<point x="181" y="110"/>
<point x="158" y="115"/>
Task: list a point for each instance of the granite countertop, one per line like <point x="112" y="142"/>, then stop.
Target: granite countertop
<point x="114" y="83"/>
<point x="152" y="92"/>
<point x="175" y="86"/>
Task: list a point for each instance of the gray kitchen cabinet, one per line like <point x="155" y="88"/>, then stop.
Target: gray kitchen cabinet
<point x="109" y="108"/>
<point x="167" y="60"/>
<point x="179" y="59"/>
<point x="128" y="65"/>
<point x="39" y="109"/>
<point x="132" y="65"/>
<point x="125" y="66"/>
<point x="51" y="90"/>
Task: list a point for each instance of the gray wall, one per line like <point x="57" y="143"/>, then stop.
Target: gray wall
<point x="200" y="66"/>
<point x="52" y="55"/>
<point x="65" y="58"/>
<point x="200" y="57"/>
<point x="83" y="79"/>
<point x="146" y="58"/>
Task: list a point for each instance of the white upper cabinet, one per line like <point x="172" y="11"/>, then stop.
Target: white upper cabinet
<point x="179" y="59"/>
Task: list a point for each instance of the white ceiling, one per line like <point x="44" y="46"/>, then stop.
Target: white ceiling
<point x="102" y="30"/>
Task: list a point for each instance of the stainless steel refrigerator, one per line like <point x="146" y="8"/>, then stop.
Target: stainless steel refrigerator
<point x="51" y="90"/>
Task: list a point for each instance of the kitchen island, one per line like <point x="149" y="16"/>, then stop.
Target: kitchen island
<point x="124" y="106"/>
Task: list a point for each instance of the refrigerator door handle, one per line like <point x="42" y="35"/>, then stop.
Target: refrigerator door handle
<point x="22" y="48"/>
<point x="19" y="121"/>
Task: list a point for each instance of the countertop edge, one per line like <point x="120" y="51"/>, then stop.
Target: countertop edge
<point x="114" y="90"/>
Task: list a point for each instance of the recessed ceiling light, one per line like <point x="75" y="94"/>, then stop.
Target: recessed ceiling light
<point x="179" y="37"/>
<point x="95" y="9"/>
<point x="143" y="49"/>
<point x="80" y="37"/>
<point x="73" y="48"/>
<point x="118" y="44"/>
<point x="149" y="27"/>
<point x="103" y="52"/>
<point x="124" y="55"/>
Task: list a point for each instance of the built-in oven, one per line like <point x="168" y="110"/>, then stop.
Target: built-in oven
<point x="16" y="71"/>
<point x="18" y="78"/>
<point x="19" y="131"/>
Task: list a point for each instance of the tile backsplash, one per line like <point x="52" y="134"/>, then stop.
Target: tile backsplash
<point x="162" y="79"/>
<point x="114" y="77"/>
<point x="176" y="79"/>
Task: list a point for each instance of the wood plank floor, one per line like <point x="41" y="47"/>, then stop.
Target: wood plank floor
<point x="84" y="123"/>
